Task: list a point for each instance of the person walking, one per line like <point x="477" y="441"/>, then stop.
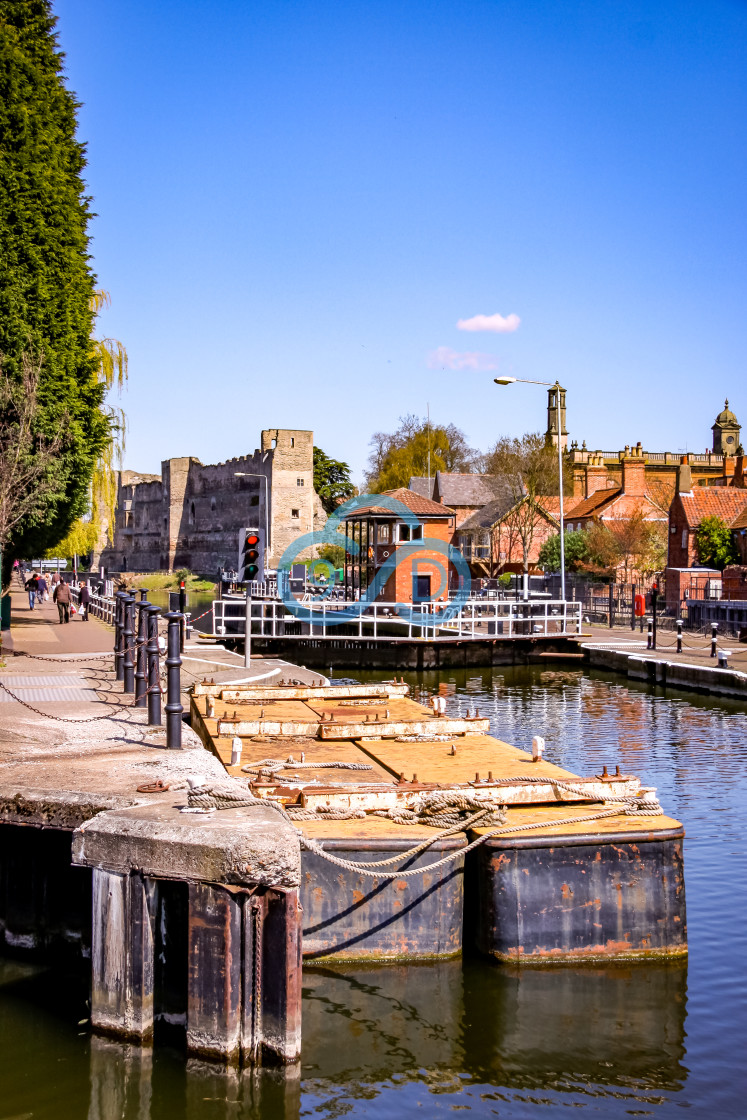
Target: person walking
<point x="63" y="599"/>
<point x="84" y="598"/>
<point x="32" y="585"/>
<point x="42" y="590"/>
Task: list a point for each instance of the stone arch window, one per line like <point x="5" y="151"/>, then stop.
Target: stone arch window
<point x="191" y="513"/>
<point x="212" y="505"/>
<point x="293" y="441"/>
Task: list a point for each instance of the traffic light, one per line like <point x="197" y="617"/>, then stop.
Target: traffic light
<point x="251" y="555"/>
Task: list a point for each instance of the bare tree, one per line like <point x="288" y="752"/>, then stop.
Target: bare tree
<point x="29" y="461"/>
<point x="631" y="544"/>
<point x="528" y="470"/>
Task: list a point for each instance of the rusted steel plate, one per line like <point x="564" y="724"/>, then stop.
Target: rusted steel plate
<point x="347" y="916"/>
<point x="599" y="901"/>
<point x="396" y="708"/>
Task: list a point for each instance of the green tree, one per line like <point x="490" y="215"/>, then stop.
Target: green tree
<point x="398" y="456"/>
<point x="332" y="480"/>
<point x="576" y="552"/>
<point x="715" y="544"/>
<point x="46" y="283"/>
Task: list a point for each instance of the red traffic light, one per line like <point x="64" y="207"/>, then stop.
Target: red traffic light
<point x="252" y="539"/>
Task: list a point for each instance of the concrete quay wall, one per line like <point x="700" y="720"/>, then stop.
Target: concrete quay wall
<point x="672" y="674"/>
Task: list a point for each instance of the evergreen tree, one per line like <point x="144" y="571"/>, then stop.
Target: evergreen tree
<point x="46" y="283"/>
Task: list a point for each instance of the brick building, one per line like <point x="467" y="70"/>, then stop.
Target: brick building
<point x="607" y="500"/>
<point x="492" y="540"/>
<point x="385" y="534"/>
<point x="191" y="514"/>
<point x="690" y="505"/>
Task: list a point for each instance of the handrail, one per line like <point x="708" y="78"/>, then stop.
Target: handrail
<point x="475" y="620"/>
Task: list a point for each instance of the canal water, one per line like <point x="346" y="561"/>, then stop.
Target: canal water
<point x="650" y="1039"/>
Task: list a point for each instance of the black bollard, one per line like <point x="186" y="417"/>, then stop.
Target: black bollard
<point x="183" y="613"/>
<point x="173" y="682"/>
<point x="141" y="652"/>
<point x="154" y="676"/>
<point x="714" y="638"/>
<point x="650" y="635"/>
<point x="143" y="594"/>
<point x="679" y="635"/>
<point x="632" y="608"/>
<point x="118" y="626"/>
<point x="128" y="642"/>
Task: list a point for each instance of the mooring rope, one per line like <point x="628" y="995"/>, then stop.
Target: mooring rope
<point x="430" y="809"/>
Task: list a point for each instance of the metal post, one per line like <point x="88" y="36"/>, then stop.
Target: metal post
<point x="560" y="487"/>
<point x="128" y="635"/>
<point x="118" y="623"/>
<point x="679" y="635"/>
<point x="654" y="597"/>
<point x="611" y="604"/>
<point x="143" y="594"/>
<point x="248" y="629"/>
<point x="714" y="638"/>
<point x="632" y="608"/>
<point x="182" y="612"/>
<point x="141" y="652"/>
<point x="650" y="635"/>
<point x="154" y="676"/>
<point x="173" y="682"/>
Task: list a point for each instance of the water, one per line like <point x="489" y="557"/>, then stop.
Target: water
<point x="427" y="1040"/>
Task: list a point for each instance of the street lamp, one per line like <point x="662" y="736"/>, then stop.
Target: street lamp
<point x="248" y="474"/>
<point x="556" y="386"/>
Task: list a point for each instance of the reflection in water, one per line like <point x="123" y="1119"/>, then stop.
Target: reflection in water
<point x="423" y="1039"/>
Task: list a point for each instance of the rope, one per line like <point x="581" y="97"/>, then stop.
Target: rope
<point x="270" y="766"/>
<point x="429" y="808"/>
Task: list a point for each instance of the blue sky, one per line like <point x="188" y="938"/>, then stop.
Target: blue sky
<point x="297" y="203"/>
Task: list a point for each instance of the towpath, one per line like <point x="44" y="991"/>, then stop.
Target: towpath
<point x="696" y="648"/>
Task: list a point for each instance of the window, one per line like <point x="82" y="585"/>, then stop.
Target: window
<point x="299" y="482"/>
<point x="212" y="505"/>
<point x="293" y="441"/>
<point x="404" y="532"/>
<point x="295" y="513"/>
<point x="383" y="534"/>
<point x="684" y="538"/>
<point x="417" y="532"/>
<point x="191" y="513"/>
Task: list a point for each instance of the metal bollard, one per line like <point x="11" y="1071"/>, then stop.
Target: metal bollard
<point x="118" y="624"/>
<point x="154" y="676"/>
<point x="128" y="638"/>
<point x="141" y="652"/>
<point x="143" y="594"/>
<point x="714" y="638"/>
<point x="173" y="682"/>
<point x="650" y="635"/>
<point x="679" y="635"/>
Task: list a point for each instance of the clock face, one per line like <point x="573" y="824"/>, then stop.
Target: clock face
<point x="730" y="439"/>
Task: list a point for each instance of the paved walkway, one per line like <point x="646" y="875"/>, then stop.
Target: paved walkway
<point x="696" y="648"/>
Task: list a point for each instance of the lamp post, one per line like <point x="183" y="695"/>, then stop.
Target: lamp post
<point x="556" y="386"/>
<point x="248" y="474"/>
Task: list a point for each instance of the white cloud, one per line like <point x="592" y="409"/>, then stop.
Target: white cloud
<point x="446" y="358"/>
<point x="497" y="323"/>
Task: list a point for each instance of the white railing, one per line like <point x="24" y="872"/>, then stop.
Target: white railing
<point x="476" y="620"/>
<point x="99" y="606"/>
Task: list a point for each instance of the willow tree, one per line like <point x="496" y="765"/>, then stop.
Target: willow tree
<point x="47" y="287"/>
<point x="111" y="361"/>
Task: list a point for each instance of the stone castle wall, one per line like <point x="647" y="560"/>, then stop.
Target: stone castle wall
<point x="191" y="516"/>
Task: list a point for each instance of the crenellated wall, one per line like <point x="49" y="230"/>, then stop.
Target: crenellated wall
<point x="191" y="516"/>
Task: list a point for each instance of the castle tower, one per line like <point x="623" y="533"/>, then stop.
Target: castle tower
<point x="551" y="435"/>
<point x="726" y="432"/>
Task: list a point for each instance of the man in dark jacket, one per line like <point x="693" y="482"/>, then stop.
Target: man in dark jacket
<point x="32" y="586"/>
<point x="63" y="598"/>
<point x="84" y="598"/>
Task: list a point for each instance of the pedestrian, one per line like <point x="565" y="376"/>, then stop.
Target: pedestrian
<point x="63" y="598"/>
<point x="42" y="590"/>
<point x="55" y="579"/>
<point x="31" y="586"/>
<point x="84" y="599"/>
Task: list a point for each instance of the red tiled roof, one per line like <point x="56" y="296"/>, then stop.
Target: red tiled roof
<point x="416" y="503"/>
<point x="591" y="505"/>
<point x="725" y="502"/>
<point x="740" y="522"/>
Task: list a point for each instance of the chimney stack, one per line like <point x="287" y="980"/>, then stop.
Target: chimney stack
<point x="634" y="472"/>
<point x="596" y="474"/>
<point x="684" y="477"/>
